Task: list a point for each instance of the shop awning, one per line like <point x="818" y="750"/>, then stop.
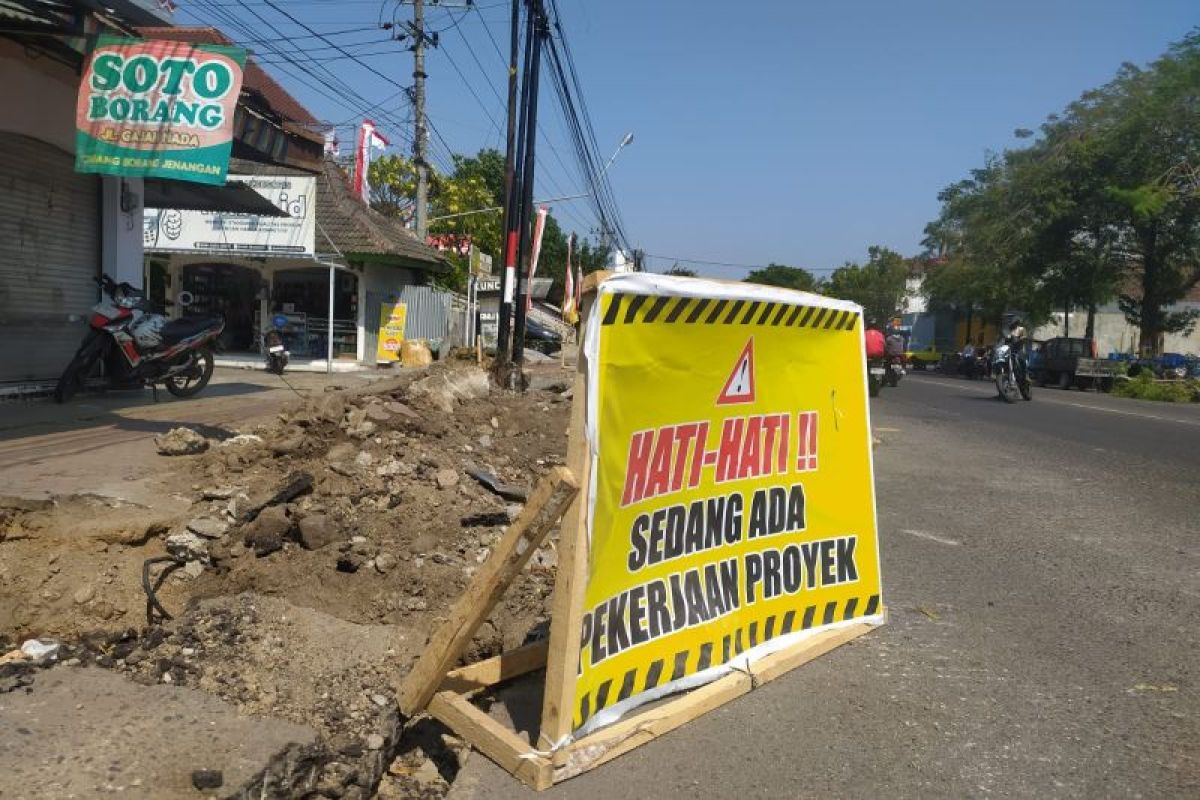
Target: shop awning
<point x="19" y="16"/>
<point x="232" y="198"/>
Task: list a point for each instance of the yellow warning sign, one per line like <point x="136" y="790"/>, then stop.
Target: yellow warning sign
<point x="739" y="388"/>
<point x="731" y="510"/>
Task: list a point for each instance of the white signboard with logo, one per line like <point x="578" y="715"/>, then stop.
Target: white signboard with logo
<point x="173" y="230"/>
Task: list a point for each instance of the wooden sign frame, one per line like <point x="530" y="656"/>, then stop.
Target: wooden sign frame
<point x="445" y="693"/>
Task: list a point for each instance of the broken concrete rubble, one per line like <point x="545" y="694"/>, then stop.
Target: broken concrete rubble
<point x="268" y="531"/>
<point x="180" y="442"/>
<point x="208" y="527"/>
<point x="186" y="546"/>
<point x="414" y="545"/>
<point x="442" y="389"/>
<point x="317" y="531"/>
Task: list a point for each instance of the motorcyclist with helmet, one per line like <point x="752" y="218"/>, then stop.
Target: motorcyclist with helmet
<point x="1016" y="336"/>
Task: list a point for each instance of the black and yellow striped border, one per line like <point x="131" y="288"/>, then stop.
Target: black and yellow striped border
<point x="716" y="653"/>
<point x="630" y="309"/>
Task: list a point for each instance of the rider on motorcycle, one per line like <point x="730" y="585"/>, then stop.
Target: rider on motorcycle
<point x="876" y="344"/>
<point x="1015" y="335"/>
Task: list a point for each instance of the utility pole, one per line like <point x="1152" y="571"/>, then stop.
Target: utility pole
<point x="538" y="30"/>
<point x="513" y="214"/>
<point x="508" y="274"/>
<point x="421" y="139"/>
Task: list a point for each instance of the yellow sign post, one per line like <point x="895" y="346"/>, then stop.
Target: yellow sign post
<point x="724" y="531"/>
<point x="392" y="318"/>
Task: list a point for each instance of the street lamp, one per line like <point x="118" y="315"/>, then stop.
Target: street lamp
<point x="627" y="140"/>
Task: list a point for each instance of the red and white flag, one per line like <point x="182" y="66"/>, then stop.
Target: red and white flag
<point x="539" y="227"/>
<point x="568" y="306"/>
<point x="369" y="140"/>
<point x="578" y="289"/>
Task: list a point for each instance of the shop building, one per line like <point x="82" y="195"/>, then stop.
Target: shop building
<point x="59" y="229"/>
<point x="320" y="275"/>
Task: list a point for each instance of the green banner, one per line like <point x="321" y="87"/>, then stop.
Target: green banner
<point x="154" y="108"/>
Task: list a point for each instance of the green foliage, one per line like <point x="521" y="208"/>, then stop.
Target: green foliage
<point x="477" y="182"/>
<point x="877" y="286"/>
<point x="785" y="276"/>
<point x="1144" y="387"/>
<point x="393" y="182"/>
<point x="681" y="271"/>
<point x="487" y="166"/>
<point x="1104" y="202"/>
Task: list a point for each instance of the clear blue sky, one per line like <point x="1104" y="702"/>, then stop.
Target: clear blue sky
<point x="796" y="132"/>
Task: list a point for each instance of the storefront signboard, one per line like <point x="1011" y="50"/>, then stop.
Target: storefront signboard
<point x="174" y="230"/>
<point x="163" y="109"/>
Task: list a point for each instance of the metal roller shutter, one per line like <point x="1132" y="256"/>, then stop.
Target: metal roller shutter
<point x="49" y="256"/>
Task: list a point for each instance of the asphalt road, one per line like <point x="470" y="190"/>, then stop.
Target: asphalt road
<point x="1041" y="563"/>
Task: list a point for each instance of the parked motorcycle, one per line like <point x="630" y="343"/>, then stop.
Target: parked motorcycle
<point x="137" y="347"/>
<point x="277" y="354"/>
<point x="1012" y="376"/>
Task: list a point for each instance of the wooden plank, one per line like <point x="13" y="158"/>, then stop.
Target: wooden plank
<point x="619" y="738"/>
<point x="566" y="614"/>
<point x="492" y="739"/>
<point x="592" y="281"/>
<point x="492" y="671"/>
<point x="543" y="511"/>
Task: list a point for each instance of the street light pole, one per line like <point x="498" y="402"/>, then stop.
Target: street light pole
<point x="627" y="139"/>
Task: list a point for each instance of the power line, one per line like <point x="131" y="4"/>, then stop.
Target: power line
<point x="333" y="89"/>
<point x="496" y="92"/>
<point x="322" y="37"/>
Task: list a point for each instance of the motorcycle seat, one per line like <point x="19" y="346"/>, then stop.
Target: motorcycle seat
<point x="176" y="330"/>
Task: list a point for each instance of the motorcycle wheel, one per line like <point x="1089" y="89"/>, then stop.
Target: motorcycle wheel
<point x="189" y="385"/>
<point x="275" y="365"/>
<point x="78" y="369"/>
<point x="1004" y="386"/>
<point x="873" y="386"/>
<point x="1026" y="389"/>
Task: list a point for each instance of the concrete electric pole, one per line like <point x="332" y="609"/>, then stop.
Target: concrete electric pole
<point x="421" y="137"/>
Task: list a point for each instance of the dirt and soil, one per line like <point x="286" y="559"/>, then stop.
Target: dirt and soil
<point x="308" y="609"/>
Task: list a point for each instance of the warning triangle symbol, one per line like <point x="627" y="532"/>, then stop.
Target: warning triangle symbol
<point x="739" y="387"/>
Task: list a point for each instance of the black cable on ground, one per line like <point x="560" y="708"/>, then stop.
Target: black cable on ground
<point x="153" y="606"/>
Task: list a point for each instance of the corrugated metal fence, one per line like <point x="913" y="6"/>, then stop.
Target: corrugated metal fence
<point x="435" y="315"/>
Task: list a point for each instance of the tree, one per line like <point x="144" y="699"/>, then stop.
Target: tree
<point x="681" y="271"/>
<point x="476" y="184"/>
<point x="487" y="166"/>
<point x="1105" y="201"/>
<point x="878" y="286"/>
<point x="393" y="181"/>
<point x="788" y="277"/>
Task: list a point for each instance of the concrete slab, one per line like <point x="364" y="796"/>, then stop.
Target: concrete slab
<point x="88" y="733"/>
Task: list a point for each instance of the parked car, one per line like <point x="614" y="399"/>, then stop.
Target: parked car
<point x="541" y="338"/>
<point x="1168" y="366"/>
<point x="1176" y="366"/>
<point x="1071" y="361"/>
